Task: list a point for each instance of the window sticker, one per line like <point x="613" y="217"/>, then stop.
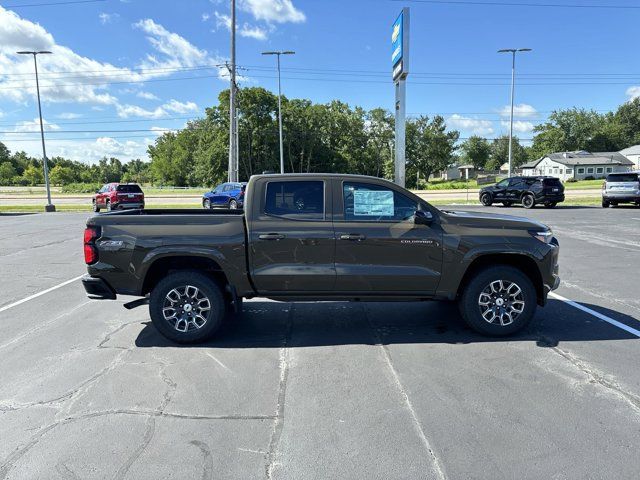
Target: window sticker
<point x="373" y="203"/>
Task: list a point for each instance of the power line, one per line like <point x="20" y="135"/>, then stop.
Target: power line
<point x="522" y="4"/>
<point x="50" y="4"/>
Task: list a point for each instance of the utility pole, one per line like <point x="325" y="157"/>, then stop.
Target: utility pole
<point x="49" y="207"/>
<point x="513" y="52"/>
<point x="278" y="53"/>
<point x="233" y="148"/>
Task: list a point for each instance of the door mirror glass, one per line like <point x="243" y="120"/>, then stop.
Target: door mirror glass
<point x="423" y="217"/>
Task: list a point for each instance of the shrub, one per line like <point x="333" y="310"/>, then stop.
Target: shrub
<point x="589" y="177"/>
<point x="571" y="180"/>
<point x="81" y="187"/>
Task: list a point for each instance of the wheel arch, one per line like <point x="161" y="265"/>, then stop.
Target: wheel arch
<point x="164" y="265"/>
<point x="520" y="261"/>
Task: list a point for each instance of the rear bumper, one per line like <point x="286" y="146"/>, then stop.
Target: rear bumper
<point x="621" y="196"/>
<point x="97" y="288"/>
<point x="551" y="198"/>
<point x="124" y="205"/>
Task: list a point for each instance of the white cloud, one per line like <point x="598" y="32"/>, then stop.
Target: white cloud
<point x="172" y="106"/>
<point x="222" y="20"/>
<point x="147" y="95"/>
<point x="633" y="92"/>
<point x="519" y="111"/>
<point x="108" y="17"/>
<point x="276" y="11"/>
<point x="474" y="125"/>
<point x="69" y="116"/>
<point x="519" y="126"/>
<point x="34" y="126"/>
<point x="180" y="107"/>
<point x="205" y="17"/>
<point x="253" y="31"/>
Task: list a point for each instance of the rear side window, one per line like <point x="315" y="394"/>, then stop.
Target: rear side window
<point x="551" y="182"/>
<point x="622" y="177"/>
<point x="303" y="200"/>
<point x="129" y="189"/>
<point x="371" y="203"/>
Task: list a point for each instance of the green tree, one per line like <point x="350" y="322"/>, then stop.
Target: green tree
<point x="33" y="175"/>
<point x="476" y="151"/>
<point x="7" y="173"/>
<point x="61" y="175"/>
<point x="500" y="153"/>
<point x="430" y="147"/>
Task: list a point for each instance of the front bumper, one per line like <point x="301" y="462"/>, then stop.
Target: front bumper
<point x="97" y="288"/>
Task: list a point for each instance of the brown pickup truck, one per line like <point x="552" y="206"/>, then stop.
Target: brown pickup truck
<point x="320" y="237"/>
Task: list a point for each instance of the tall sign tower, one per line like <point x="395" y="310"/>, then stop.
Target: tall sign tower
<point x="400" y="70"/>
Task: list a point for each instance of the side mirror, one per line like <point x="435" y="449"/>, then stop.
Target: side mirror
<point x="423" y="217"/>
<point x="97" y="191"/>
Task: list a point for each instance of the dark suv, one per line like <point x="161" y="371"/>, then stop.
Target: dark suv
<point x="528" y="191"/>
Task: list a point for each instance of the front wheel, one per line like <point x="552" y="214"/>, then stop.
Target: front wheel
<point x="486" y="199"/>
<point x="95" y="207"/>
<point x="233" y="204"/>
<point x="528" y="201"/>
<point x="498" y="301"/>
<point x="187" y="307"/>
<point x="206" y="204"/>
<point x="108" y="205"/>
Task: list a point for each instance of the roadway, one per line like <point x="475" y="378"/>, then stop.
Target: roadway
<point x="308" y="390"/>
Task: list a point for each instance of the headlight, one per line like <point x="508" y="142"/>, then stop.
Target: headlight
<point x="544" y="236"/>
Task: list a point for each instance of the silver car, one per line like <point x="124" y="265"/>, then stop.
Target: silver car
<point x="621" y="188"/>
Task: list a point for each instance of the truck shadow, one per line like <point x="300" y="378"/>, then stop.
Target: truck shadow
<point x="266" y="324"/>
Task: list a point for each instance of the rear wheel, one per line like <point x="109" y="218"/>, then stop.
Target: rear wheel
<point x="550" y="204"/>
<point x="498" y="301"/>
<point x="233" y="204"/>
<point x="528" y="201"/>
<point x="486" y="199"/>
<point x="187" y="307"/>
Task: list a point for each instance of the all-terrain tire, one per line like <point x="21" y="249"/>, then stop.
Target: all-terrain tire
<point x="176" y="293"/>
<point x="475" y="293"/>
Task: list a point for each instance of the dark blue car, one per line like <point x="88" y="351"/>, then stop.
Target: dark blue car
<point x="227" y="195"/>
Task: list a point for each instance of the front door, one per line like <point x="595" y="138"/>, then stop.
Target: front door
<point x="291" y="237"/>
<point x="379" y="246"/>
<point x="500" y="190"/>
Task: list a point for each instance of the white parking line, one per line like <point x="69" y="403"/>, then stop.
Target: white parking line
<point x="39" y="294"/>
<point x="610" y="320"/>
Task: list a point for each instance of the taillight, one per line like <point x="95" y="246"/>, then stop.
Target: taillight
<point x="91" y="234"/>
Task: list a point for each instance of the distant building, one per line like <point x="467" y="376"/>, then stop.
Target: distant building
<point x="633" y="154"/>
<point x="578" y="165"/>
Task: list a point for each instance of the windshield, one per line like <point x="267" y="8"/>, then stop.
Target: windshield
<point x="622" y="177"/>
<point x="129" y="189"/>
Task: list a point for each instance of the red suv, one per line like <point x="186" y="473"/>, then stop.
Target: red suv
<point x="115" y="196"/>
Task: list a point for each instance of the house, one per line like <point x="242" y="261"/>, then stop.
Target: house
<point x="578" y="165"/>
<point x="467" y="171"/>
<point x="633" y="154"/>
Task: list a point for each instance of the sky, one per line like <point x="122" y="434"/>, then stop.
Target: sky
<point x="124" y="71"/>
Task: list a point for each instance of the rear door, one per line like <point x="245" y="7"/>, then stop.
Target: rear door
<point x="291" y="238"/>
<point x="379" y="247"/>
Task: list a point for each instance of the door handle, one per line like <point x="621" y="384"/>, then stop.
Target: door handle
<point x="354" y="237"/>
<point x="271" y="236"/>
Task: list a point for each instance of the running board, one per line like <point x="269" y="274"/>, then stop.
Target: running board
<point x="136" y="303"/>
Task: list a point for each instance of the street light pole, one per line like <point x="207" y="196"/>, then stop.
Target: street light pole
<point x="513" y="52"/>
<point x="280" y="104"/>
<point x="50" y="207"/>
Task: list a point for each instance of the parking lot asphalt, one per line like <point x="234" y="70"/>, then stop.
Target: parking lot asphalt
<point x="321" y="390"/>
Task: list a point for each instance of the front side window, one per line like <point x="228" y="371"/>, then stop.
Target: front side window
<point x="372" y="203"/>
<point x="303" y="200"/>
